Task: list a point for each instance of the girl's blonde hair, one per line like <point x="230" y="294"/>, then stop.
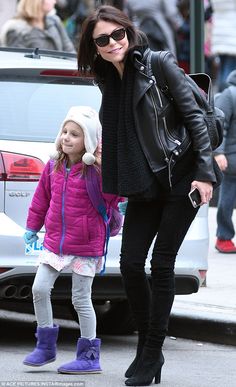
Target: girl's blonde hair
<point x="29" y="9"/>
<point x="61" y="158"/>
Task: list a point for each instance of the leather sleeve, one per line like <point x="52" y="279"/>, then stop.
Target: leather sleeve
<point x="192" y="117"/>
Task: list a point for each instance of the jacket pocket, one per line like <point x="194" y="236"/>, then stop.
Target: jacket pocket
<point x="173" y="141"/>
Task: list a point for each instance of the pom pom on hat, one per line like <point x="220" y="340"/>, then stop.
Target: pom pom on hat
<point x="87" y="118"/>
<point x="88" y="158"/>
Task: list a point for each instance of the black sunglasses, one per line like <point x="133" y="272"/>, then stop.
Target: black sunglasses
<point x="104" y="40"/>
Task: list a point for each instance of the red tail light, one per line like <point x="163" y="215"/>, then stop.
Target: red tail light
<point x="14" y="166"/>
<point x="4" y="269"/>
<point x="65" y="73"/>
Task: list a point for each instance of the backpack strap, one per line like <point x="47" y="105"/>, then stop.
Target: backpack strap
<point x="94" y="192"/>
<point x="95" y="195"/>
<point x="51" y="166"/>
<point x="155" y="62"/>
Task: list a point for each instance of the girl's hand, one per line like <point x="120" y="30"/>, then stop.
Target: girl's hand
<point x="30" y="237"/>
<point x="205" y="188"/>
<point x="122" y="207"/>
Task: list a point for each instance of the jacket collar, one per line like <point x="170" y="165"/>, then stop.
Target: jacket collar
<point x="144" y="78"/>
<point x="139" y="58"/>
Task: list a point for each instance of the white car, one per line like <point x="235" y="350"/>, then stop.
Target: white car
<point x="37" y="89"/>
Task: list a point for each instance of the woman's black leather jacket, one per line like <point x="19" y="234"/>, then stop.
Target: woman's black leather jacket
<point x="159" y="122"/>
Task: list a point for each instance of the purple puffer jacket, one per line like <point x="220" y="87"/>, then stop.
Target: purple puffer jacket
<point x="62" y="204"/>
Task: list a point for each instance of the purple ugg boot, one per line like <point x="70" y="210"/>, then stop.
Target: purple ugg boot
<point x="87" y="358"/>
<point x="45" y="351"/>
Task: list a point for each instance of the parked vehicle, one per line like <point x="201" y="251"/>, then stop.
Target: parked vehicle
<point x="37" y="89"/>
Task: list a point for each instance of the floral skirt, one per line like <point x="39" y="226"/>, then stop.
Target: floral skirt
<point x="87" y="266"/>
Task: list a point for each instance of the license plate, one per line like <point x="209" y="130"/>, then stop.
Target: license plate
<point x="34" y="248"/>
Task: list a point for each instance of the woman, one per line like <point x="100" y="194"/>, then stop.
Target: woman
<point x="34" y="27"/>
<point x="135" y="165"/>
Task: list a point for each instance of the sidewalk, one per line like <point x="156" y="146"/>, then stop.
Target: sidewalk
<point x="210" y="314"/>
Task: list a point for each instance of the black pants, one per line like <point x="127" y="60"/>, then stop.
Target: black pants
<point x="168" y="218"/>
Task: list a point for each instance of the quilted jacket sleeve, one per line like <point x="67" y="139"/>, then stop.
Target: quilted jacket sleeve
<point x="113" y="200"/>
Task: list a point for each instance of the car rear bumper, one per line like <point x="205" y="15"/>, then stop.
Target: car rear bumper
<point x="15" y="284"/>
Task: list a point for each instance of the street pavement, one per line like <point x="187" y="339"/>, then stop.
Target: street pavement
<point x="210" y="314"/>
<point x="188" y="363"/>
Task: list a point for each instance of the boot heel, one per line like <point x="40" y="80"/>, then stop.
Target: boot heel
<point x="158" y="377"/>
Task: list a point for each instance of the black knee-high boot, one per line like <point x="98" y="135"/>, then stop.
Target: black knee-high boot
<point x="151" y="360"/>
<point x="139" y="297"/>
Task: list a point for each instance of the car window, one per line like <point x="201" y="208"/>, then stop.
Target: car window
<point x="34" y="111"/>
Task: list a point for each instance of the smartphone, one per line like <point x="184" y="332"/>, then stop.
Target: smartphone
<point x="195" y="197"/>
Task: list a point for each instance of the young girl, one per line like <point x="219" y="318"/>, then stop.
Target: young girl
<point x="75" y="237"/>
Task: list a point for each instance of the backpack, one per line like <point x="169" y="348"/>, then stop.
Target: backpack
<point x="113" y="219"/>
<point x="201" y="87"/>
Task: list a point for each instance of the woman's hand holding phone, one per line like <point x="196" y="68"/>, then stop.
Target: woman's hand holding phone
<point x="201" y="193"/>
<point x="195" y="198"/>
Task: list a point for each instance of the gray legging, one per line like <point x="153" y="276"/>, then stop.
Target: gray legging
<point x="81" y="299"/>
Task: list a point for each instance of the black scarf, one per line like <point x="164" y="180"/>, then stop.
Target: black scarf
<point x="125" y="169"/>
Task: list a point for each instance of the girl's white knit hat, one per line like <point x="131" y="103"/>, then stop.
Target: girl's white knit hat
<point x="87" y="118"/>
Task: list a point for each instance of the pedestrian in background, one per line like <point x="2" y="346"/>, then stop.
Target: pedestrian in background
<point x="183" y="36"/>
<point x="159" y="19"/>
<point x="33" y="27"/>
<point x="225" y="156"/>
<point x="224" y="38"/>
<point x="73" y="13"/>
<point x="211" y="60"/>
<point x="75" y="237"/>
<point x="7" y="10"/>
<point x="135" y="164"/>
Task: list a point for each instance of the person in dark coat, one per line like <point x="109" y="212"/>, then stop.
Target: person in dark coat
<point x="149" y="157"/>
<point x="225" y="156"/>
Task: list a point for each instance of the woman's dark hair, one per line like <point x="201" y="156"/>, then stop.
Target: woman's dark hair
<point x="88" y="60"/>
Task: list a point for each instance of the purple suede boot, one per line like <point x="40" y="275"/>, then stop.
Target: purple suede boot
<point x="45" y="351"/>
<point x="87" y="358"/>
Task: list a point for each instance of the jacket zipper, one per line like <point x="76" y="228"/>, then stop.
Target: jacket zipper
<point x="63" y="212"/>
<point x="167" y="159"/>
<point x="164" y="120"/>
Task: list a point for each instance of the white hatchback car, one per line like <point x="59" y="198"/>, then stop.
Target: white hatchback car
<point x="37" y="89"/>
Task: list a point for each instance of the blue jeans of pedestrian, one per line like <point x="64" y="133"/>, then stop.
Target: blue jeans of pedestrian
<point x="227" y="199"/>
